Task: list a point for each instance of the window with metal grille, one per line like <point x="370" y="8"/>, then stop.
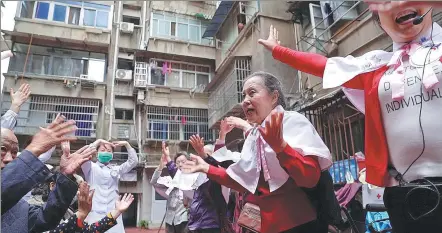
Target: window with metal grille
<point x="177" y="123"/>
<point x="39" y="111"/>
<point x="229" y="92"/>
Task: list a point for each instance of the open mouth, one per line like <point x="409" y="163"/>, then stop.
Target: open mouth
<point x="405" y="16"/>
<point x="250" y="111"/>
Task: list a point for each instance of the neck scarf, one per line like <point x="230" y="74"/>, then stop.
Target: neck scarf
<point x="257" y="155"/>
<point x="340" y="70"/>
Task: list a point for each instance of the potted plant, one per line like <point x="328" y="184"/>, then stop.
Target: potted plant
<point x="143" y="224"/>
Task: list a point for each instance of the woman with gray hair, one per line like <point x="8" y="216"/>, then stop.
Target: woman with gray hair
<point x="282" y="154"/>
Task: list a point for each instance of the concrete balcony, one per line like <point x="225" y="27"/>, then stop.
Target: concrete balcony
<point x="131" y="40"/>
<point x="63" y="32"/>
<point x="181" y="48"/>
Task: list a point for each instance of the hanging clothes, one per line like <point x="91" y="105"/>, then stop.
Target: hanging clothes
<point x="183" y="120"/>
<point x="164" y="70"/>
<point x="169" y="70"/>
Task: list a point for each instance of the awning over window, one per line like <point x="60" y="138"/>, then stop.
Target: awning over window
<point x="220" y="15"/>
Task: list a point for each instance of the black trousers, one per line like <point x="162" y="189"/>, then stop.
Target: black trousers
<point x="310" y="227"/>
<point x="181" y="228"/>
<point x="211" y="230"/>
<point x="419" y="202"/>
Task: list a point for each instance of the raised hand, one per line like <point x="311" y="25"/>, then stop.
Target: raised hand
<point x="165" y="152"/>
<point x="195" y="164"/>
<point x="198" y="145"/>
<point x="224" y="129"/>
<point x="122" y="204"/>
<point x="119" y="143"/>
<point x="272" y="41"/>
<point x="238" y="123"/>
<point x="273" y="131"/>
<point x="51" y="136"/>
<point x="84" y="200"/>
<point x="71" y="162"/>
<point x="19" y="97"/>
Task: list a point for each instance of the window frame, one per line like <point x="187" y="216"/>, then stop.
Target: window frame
<point x="68" y="5"/>
<point x="177" y="22"/>
<point x="181" y="71"/>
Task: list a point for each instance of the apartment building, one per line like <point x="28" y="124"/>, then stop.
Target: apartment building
<point x="236" y="28"/>
<point x="336" y="28"/>
<point x="132" y="70"/>
<point x="141" y="71"/>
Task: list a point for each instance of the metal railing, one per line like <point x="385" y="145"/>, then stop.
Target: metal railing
<point x="228" y="93"/>
<point x="40" y="111"/>
<point x="177" y="124"/>
<point x="341" y="126"/>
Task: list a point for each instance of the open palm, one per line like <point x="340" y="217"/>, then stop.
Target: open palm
<point x="195" y="164"/>
<point x="69" y="163"/>
<point x="272" y="41"/>
<point x="124" y="202"/>
<point x="197" y="143"/>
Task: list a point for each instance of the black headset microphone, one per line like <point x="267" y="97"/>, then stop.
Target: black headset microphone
<point x="419" y="19"/>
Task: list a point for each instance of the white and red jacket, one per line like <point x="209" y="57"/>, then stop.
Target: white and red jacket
<point x="363" y="74"/>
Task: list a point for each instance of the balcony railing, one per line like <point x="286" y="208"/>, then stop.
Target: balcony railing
<point x="177" y="124"/>
<point x="341" y="126"/>
<point x="228" y="94"/>
<point x="146" y="159"/>
<point x="40" y="111"/>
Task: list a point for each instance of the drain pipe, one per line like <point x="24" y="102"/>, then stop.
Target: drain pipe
<point x="143" y="30"/>
<point x="114" y="67"/>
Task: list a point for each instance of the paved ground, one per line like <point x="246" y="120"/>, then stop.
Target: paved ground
<point x="138" y="230"/>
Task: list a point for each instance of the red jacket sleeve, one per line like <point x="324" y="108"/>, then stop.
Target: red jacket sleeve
<point x="219" y="175"/>
<point x="311" y="63"/>
<point x="304" y="170"/>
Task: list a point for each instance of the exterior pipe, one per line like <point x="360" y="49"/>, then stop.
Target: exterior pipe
<point x="114" y="67"/>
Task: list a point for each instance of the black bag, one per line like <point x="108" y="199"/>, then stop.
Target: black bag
<point x="324" y="200"/>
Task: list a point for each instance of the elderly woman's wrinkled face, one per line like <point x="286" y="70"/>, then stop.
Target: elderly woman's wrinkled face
<point x="258" y="101"/>
<point x="398" y="23"/>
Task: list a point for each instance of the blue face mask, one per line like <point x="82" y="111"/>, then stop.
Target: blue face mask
<point x="104" y="157"/>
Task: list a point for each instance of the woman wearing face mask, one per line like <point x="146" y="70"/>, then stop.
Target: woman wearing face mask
<point x="400" y="95"/>
<point x="103" y="178"/>
<point x="280" y="155"/>
<point x="176" y="208"/>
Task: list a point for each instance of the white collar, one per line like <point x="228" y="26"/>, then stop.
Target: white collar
<point x="434" y="32"/>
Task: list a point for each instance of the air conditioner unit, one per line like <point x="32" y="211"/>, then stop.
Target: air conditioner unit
<point x="84" y="77"/>
<point x="218" y="44"/>
<point x="127" y="27"/>
<point x="140" y="97"/>
<point x="123" y="74"/>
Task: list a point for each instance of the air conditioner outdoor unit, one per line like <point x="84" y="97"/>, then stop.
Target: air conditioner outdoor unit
<point x="123" y="74"/>
<point x="127" y="27"/>
<point x="218" y="43"/>
<point x="84" y="77"/>
<point x="140" y="97"/>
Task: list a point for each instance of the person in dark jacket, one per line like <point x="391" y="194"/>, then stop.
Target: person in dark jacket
<point x="20" y="175"/>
